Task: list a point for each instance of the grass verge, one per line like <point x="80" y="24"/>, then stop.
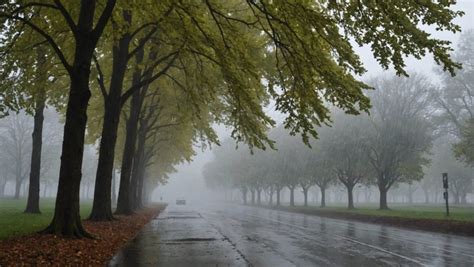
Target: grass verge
<point x="428" y="218"/>
<point x="14" y="222"/>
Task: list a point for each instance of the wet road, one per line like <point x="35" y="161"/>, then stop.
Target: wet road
<point x="234" y="235"/>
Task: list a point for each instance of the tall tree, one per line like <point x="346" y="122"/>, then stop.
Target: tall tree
<point x="85" y="35"/>
<point x="16" y="146"/>
<point x="344" y="147"/>
<point x="398" y="132"/>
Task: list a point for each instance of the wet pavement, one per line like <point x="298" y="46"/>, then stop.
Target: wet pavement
<point x="235" y="235"/>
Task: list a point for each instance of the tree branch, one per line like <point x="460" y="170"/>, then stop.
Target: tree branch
<point x="67" y="17"/>
<point x="48" y="38"/>
<point x="142" y="83"/>
<point x="104" y="17"/>
<point x="100" y="79"/>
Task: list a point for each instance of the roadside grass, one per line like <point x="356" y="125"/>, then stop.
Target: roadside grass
<point x="14" y="222"/>
<point x="457" y="213"/>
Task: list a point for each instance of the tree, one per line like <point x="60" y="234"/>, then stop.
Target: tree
<point x="344" y="147"/>
<point x="17" y="146"/>
<point x="85" y="35"/>
<point x="460" y="177"/>
<point x="464" y="149"/>
<point x="307" y="50"/>
<point x="455" y="99"/>
<point x="397" y="132"/>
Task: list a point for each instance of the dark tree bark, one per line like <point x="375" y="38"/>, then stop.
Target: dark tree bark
<point x="123" y="202"/>
<point x="138" y="165"/>
<point x="66" y="220"/>
<point x="383" y="198"/>
<point x="350" y="196"/>
<point x="32" y="205"/>
<point x="102" y="204"/>
<point x="305" y="193"/>
<point x="323" y="196"/>
<point x="252" y="192"/>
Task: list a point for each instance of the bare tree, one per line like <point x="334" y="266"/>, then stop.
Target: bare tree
<point x="16" y="145"/>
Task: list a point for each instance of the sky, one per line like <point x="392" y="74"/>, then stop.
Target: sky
<point x="188" y="182"/>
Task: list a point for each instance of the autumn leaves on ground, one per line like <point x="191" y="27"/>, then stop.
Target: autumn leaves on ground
<point x="24" y="246"/>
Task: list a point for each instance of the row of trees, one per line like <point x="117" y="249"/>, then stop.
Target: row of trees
<point x="390" y="146"/>
<point x="149" y="78"/>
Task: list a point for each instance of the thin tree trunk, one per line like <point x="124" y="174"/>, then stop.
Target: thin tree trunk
<point x="17" y="188"/>
<point x="350" y="196"/>
<point x="305" y="193"/>
<point x="259" y="200"/>
<point x="32" y="205"/>
<point x="292" y="196"/>
<point x="123" y="201"/>
<point x="137" y="165"/>
<point x="252" y="192"/>
<point x="2" y="188"/>
<point x="102" y="204"/>
<point x="271" y="198"/>
<point x="278" y="196"/>
<point x="427" y="197"/>
<point x="323" y="196"/>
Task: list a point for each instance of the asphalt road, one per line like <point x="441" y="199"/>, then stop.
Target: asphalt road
<point x="234" y="235"/>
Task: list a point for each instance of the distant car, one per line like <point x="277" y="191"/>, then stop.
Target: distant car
<point x="180" y="201"/>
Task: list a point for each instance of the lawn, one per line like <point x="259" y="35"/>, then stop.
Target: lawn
<point x="14" y="222"/>
<point x="405" y="211"/>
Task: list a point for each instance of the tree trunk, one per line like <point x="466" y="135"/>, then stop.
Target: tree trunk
<point x="271" y="198"/>
<point x="252" y="192"/>
<point x="137" y="165"/>
<point x="2" y="188"/>
<point x="244" y="196"/>
<point x="350" y="196"/>
<point x="17" y="188"/>
<point x="32" y="205"/>
<point x="456" y="198"/>
<point x="141" y="188"/>
<point x="66" y="220"/>
<point x="102" y="204"/>
<point x="292" y="196"/>
<point x="123" y="201"/>
<point x="305" y="193"/>
<point x="323" y="196"/>
<point x="383" y="198"/>
<point x="278" y="196"/>
<point x="259" y="200"/>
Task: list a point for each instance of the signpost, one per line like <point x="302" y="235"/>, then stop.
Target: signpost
<point x="445" y="194"/>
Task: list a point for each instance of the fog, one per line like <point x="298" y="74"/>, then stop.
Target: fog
<point x="188" y="182"/>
